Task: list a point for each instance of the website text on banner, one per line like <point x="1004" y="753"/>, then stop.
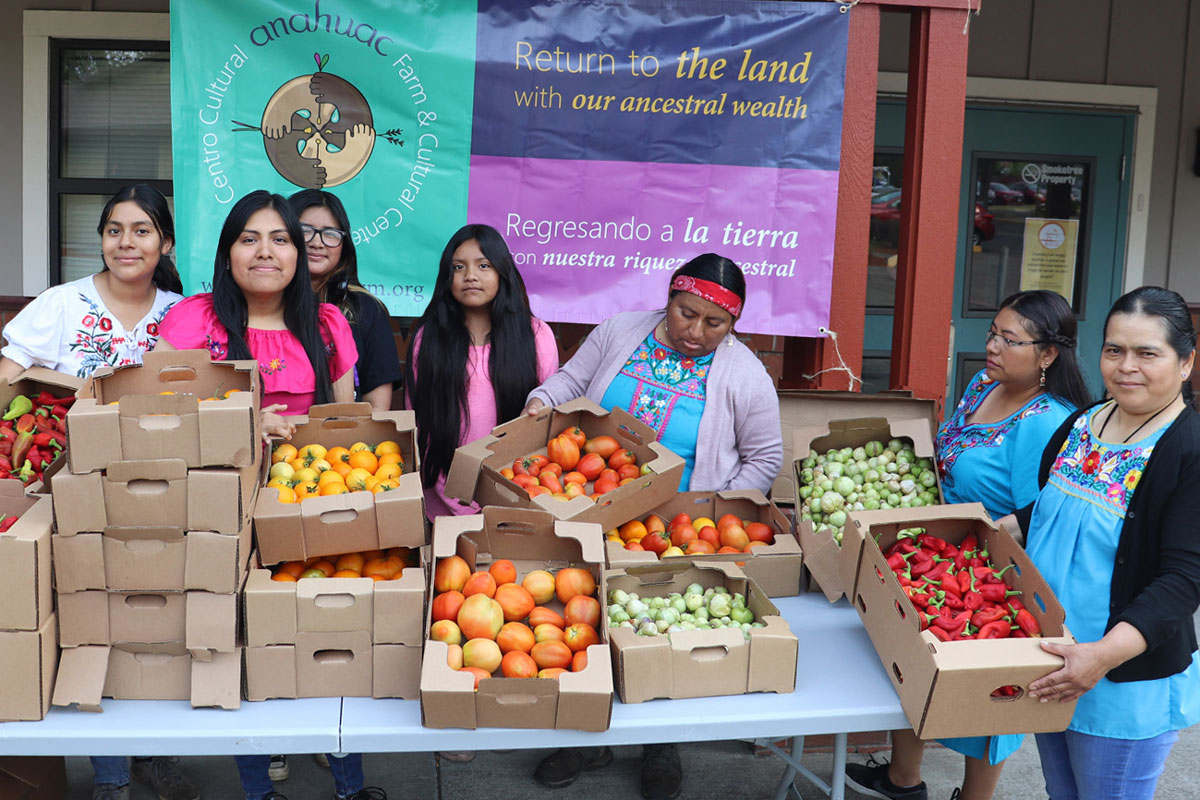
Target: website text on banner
<point x="613" y="141"/>
<point x="370" y="99"/>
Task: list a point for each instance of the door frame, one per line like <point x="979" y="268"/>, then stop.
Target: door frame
<point x="1142" y="100"/>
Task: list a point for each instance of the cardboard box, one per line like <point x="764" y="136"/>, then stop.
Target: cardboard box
<point x="832" y="564"/>
<point x="475" y="471"/>
<point x="775" y="568"/>
<point x="28" y="662"/>
<point x="159" y="493"/>
<point x="709" y="663"/>
<point x="147" y="672"/>
<point x="531" y="540"/>
<point x="322" y="526"/>
<point x="804" y="408"/>
<point x="945" y="687"/>
<point x="32" y="382"/>
<point x="152" y="559"/>
<point x="145" y="425"/>
<point x="389" y="612"/>
<point x="26" y="597"/>
<point x="203" y="621"/>
<point x="33" y="778"/>
<point x="342" y="664"/>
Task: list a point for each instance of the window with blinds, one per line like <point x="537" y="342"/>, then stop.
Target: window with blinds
<point x="110" y="126"/>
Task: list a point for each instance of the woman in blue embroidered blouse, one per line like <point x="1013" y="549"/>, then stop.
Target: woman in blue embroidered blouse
<point x="987" y="452"/>
<point x="1113" y="532"/>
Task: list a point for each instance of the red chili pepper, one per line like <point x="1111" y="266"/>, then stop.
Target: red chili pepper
<point x="24" y="440"/>
<point x="973" y="601"/>
<point x="920" y="568"/>
<point x="1027" y="623"/>
<point x="7" y="522"/>
<point x="1000" y="629"/>
<point x="920" y="599"/>
<point x="1015" y="604"/>
<point x="897" y="561"/>
<point x="953" y="601"/>
<point x="934" y="543"/>
<point x="938" y="569"/>
<point x="996" y="592"/>
<point x="964" y="581"/>
<point x="44" y="398"/>
<point x="59" y="410"/>
<point x="985" y="615"/>
<point x="940" y="634"/>
<point x="950" y="585"/>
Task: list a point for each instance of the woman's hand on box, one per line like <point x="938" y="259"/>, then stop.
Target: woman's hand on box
<point x="534" y="406"/>
<point x="1086" y="663"/>
<point x="273" y="424"/>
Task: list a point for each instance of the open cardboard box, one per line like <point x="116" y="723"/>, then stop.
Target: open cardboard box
<point x="344" y="523"/>
<point x="710" y="663"/>
<point x="121" y="414"/>
<point x="31" y="382"/>
<point x="945" y="687"/>
<point x="389" y="612"/>
<point x="158" y="493"/>
<point x="333" y="664"/>
<point x="804" y="408"/>
<point x="28" y="662"/>
<point x="152" y="559"/>
<point x="475" y="471"/>
<point x="832" y="564"/>
<point x="775" y="568"/>
<point x="147" y="672"/>
<point x="205" y="622"/>
<point x="531" y="540"/>
<point x="26" y="596"/>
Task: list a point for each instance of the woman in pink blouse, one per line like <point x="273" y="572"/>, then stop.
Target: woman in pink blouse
<point x="262" y="307"/>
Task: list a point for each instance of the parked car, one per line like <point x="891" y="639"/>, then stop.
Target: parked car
<point x="885" y="222"/>
<point x="1030" y="192"/>
<point x="985" y="226"/>
<point x="999" y="193"/>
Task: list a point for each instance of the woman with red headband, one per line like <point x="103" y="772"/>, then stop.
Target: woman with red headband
<point x="682" y="372"/>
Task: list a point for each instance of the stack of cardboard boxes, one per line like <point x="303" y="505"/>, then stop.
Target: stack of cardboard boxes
<point x="341" y="637"/>
<point x="153" y="531"/>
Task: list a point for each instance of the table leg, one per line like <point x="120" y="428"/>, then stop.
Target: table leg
<point x="791" y="762"/>
<point x="837" y="782"/>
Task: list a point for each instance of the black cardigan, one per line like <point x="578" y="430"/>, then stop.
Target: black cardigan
<point x="1156" y="578"/>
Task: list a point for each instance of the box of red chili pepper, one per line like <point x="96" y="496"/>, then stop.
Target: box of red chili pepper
<point x="34" y="407"/>
<point x="955" y="610"/>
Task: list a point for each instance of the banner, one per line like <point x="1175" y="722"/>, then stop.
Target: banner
<point x="609" y="142"/>
<point x="369" y="99"/>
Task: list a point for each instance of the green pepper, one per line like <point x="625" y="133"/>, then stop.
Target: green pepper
<point x="20" y="405"/>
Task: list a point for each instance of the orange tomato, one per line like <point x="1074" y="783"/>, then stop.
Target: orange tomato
<point x="632" y="531"/>
<point x="284" y="576"/>
<point x="575" y="434"/>
<point x="329" y="476"/>
<point x="311" y="452"/>
<point x="385" y="486"/>
<point x="286" y="494"/>
<point x="391" y="458"/>
<point x="357" y="479"/>
<point x="352" y="561"/>
<point x="346" y="573"/>
<point x="332" y="488"/>
<point x="363" y="459"/>
<point x="306" y="490"/>
<point x="293" y="568"/>
<point x="387" y="471"/>
<point x="325" y="567"/>
<point x="564" y="451"/>
<point x="590" y="466"/>
<point x="335" y="454"/>
<point x="655" y="523"/>
<point x="574" y="476"/>
<point x="604" y="446"/>
<point x="341" y="468"/>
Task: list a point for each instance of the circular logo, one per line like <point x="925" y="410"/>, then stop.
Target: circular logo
<point x="318" y="130"/>
<point x="1052" y="236"/>
<point x="1031" y="173"/>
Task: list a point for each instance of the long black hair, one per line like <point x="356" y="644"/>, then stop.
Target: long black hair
<point x="1172" y="311"/>
<point x="299" y="302"/>
<point x="150" y="200"/>
<point x="438" y="384"/>
<point x="715" y="268"/>
<point x="341" y="286"/>
<point x="1049" y="320"/>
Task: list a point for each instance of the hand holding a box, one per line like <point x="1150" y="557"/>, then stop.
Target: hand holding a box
<point x="273" y="424"/>
<point x="1086" y="663"/>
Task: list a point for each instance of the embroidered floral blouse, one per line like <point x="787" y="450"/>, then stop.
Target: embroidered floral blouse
<point x="666" y="390"/>
<point x="287" y="374"/>
<point x="69" y="329"/>
<point x="995" y="464"/>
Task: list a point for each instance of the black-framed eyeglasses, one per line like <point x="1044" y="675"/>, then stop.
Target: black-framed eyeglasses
<point x="1007" y="342"/>
<point x="331" y="237"/>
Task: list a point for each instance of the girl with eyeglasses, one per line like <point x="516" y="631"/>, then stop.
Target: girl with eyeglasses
<point x="987" y="452"/>
<point x="333" y="268"/>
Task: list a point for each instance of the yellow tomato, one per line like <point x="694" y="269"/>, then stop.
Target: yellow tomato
<point x="320" y="465"/>
<point x="282" y="470"/>
<point x="354" y="448"/>
<point x="306" y="475"/>
<point x="387" y="471"/>
<point x="312" y="451"/>
<point x="283" y="452"/>
<point x="329" y="476"/>
<point x="356" y="479"/>
<point x="385" y="447"/>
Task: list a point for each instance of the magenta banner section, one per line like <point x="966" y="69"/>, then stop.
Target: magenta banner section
<point x="592" y="238"/>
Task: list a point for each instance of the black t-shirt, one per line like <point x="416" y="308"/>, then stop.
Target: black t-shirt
<point x="378" y="362"/>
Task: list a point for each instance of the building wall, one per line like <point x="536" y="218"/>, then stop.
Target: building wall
<point x="1117" y="42"/>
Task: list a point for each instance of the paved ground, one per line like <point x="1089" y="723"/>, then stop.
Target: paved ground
<point x="713" y="771"/>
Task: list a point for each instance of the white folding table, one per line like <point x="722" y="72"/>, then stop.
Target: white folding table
<point x="840" y="688"/>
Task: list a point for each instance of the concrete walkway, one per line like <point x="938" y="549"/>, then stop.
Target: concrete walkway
<point x="713" y="771"/>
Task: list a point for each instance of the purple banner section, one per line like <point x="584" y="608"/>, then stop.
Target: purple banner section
<point x="593" y="238"/>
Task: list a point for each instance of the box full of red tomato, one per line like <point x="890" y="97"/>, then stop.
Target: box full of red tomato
<point x="843" y="465"/>
<point x="696" y="630"/>
<point x="576" y="461"/>
<point x="515" y="635"/>
<point x="176" y="404"/>
<point x="955" y="610"/>
<point x="742" y="526"/>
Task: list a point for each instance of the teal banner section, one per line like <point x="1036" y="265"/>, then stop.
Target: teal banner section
<point x="368" y="99"/>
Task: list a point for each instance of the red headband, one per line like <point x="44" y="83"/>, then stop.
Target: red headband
<point x="707" y="290"/>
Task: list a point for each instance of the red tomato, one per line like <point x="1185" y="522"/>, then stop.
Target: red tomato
<point x="679" y="519"/>
<point x="620" y="458"/>
<point x="576" y="434"/>
<point x="590" y="466"/>
<point x="604" y="446"/>
<point x="656" y="542"/>
<point x="563" y="450"/>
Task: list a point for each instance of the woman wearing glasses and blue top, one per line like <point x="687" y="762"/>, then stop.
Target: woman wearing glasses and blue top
<point x="333" y="268"/>
<point x="988" y="452"/>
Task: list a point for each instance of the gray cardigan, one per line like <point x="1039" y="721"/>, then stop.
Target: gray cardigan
<point x="740" y="442"/>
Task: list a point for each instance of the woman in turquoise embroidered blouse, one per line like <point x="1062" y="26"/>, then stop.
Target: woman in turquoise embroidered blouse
<point x="1125" y="568"/>
<point x="987" y="452"/>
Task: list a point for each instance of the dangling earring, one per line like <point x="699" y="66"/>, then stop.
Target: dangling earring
<point x="1042" y="381"/>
